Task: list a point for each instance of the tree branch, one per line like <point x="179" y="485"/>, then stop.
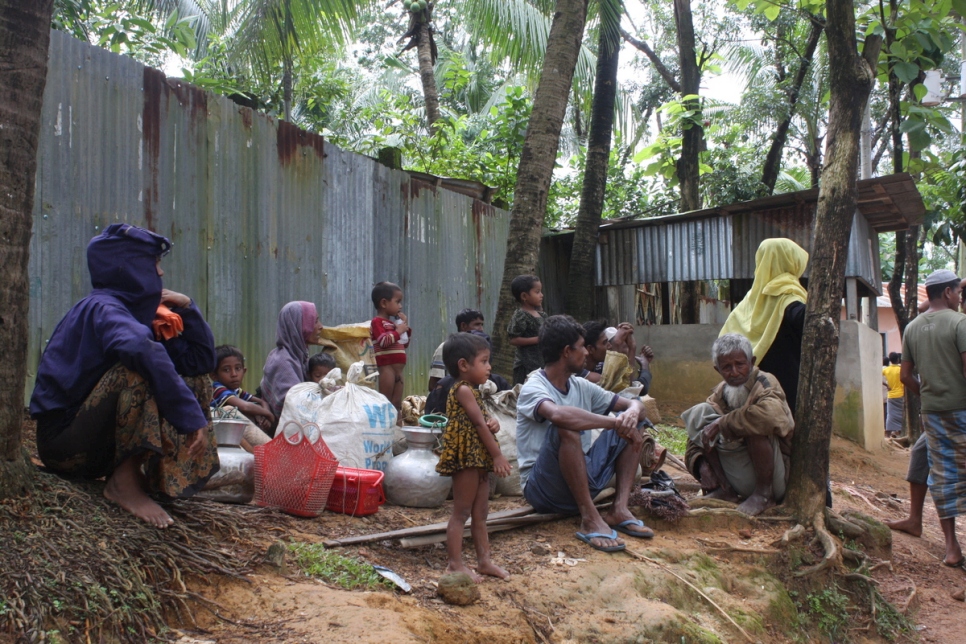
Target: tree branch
<point x="658" y="65"/>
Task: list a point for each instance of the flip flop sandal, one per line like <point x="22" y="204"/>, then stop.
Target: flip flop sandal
<point x="622" y="527"/>
<point x="586" y="538"/>
<point x="958" y="564"/>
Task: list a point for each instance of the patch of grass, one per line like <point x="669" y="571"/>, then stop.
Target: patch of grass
<point x="675" y="439"/>
<point x="889" y="623"/>
<point x="330" y="566"/>
<point x="829" y="610"/>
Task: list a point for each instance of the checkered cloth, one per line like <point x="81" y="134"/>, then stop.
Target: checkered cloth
<point x="946" y="439"/>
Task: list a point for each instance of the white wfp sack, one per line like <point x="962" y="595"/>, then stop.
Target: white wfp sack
<point x="503" y="407"/>
<point x="357" y="424"/>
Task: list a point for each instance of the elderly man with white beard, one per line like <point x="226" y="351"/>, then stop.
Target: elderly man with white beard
<point x="739" y="441"/>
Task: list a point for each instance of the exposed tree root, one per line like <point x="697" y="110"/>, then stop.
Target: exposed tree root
<point x="840" y="525"/>
<point x="792" y="534"/>
<point x="833" y="554"/>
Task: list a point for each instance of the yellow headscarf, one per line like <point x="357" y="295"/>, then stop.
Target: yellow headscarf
<point x="778" y="265"/>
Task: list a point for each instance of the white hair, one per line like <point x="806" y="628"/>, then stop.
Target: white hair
<point x="731" y="343"/>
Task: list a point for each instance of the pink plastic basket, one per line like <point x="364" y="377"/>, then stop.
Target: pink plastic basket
<point x="293" y="473"/>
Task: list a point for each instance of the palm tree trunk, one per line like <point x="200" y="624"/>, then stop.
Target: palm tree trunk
<point x="288" y="39"/>
<point x="580" y="295"/>
<point x="851" y="77"/>
<point x="287" y="86"/>
<point x="692" y="138"/>
<point x="24" y="40"/>
<point x="537" y="160"/>
<point x="427" y="75"/>
<point x="773" y="161"/>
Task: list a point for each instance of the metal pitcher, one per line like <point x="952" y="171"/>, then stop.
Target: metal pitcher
<point x="235" y="481"/>
<point x="411" y="478"/>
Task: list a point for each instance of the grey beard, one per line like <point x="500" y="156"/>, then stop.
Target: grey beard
<point x="736" y="397"/>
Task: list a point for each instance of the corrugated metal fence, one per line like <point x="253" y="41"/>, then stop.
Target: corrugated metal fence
<point x="260" y="212"/>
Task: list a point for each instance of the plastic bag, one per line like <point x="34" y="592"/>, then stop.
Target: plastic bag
<point x="503" y="407"/>
<point x="352" y="344"/>
<point x="357" y="424"/>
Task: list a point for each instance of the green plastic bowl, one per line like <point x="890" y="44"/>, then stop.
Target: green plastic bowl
<point x="436" y="421"/>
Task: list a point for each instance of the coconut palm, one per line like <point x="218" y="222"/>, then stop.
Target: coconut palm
<point x="261" y="34"/>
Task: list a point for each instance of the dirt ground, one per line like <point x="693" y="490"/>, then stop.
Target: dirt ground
<point x="594" y="597"/>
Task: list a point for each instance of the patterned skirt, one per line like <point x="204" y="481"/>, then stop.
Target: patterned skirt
<point x="946" y="441"/>
<point x="119" y="420"/>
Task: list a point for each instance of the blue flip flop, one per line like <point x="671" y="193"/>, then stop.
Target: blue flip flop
<point x="646" y="533"/>
<point x="586" y="538"/>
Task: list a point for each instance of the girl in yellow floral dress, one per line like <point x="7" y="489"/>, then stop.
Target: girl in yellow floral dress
<point x="470" y="452"/>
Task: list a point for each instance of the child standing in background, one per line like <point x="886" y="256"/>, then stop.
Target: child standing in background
<point x="390" y="333"/>
<point x="470" y="452"/>
<point x="524" y="327"/>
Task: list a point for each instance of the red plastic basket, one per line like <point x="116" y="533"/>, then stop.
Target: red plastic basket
<point x="294" y="474"/>
<point x="356" y="492"/>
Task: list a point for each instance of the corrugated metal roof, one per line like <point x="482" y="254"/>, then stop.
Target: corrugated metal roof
<point x="717" y="246"/>
<point x="260" y="212"/>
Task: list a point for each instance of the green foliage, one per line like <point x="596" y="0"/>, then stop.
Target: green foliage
<point x="346" y="572"/>
<point x="828" y="609"/>
<point x="675" y="439"/>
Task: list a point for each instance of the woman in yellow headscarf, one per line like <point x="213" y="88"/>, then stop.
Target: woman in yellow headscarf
<point x="772" y="315"/>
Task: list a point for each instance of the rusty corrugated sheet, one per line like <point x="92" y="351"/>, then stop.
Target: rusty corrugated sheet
<point x="711" y="247"/>
<point x="260" y="212"/>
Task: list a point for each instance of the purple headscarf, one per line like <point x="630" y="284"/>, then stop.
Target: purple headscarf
<point x="287" y="363"/>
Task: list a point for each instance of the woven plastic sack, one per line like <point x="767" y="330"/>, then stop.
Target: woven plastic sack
<point x="352" y="344"/>
<point x="294" y="471"/>
<point x="503" y="407"/>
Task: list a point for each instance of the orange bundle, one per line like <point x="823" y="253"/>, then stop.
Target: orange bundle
<point x="167" y="324"/>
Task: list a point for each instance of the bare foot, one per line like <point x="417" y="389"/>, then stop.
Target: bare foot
<point x="462" y="568"/>
<point x="492" y="570"/>
<point x="125" y="488"/>
<point x="755" y="505"/>
<point x="907" y="525"/>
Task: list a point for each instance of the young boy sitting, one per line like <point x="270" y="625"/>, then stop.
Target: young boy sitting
<point x="320" y="365"/>
<point x="227" y="392"/>
<point x="390" y="333"/>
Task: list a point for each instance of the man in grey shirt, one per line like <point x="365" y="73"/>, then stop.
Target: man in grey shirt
<point x="559" y="469"/>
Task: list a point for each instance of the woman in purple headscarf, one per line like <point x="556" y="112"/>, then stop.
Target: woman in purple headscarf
<point x="113" y="399"/>
<point x="287" y="364"/>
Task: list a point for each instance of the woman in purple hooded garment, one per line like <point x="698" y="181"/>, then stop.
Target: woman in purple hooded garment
<point x="287" y="364"/>
<point x="110" y="400"/>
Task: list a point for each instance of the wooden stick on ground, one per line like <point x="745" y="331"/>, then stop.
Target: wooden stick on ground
<point x="653" y="562"/>
<point x="418" y="530"/>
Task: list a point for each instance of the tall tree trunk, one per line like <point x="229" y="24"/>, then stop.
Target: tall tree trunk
<point x="287" y="87"/>
<point x="288" y="43"/>
<point x="851" y="77"/>
<point x="692" y="136"/>
<point x="24" y="40"/>
<point x="773" y="160"/>
<point x="580" y="294"/>
<point x="427" y="60"/>
<point x="536" y="164"/>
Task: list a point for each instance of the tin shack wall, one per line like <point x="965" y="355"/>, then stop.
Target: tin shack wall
<point x="260" y="212"/>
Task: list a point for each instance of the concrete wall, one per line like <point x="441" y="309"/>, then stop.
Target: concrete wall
<point x="857" y="413"/>
<point x="682" y="368"/>
<point x="684" y="374"/>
